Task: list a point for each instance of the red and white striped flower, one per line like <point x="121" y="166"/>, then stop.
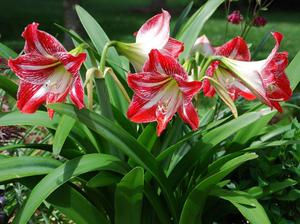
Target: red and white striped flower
<point x="47" y="72"/>
<point x="154" y="34"/>
<point x="161" y="90"/>
<point x="266" y="79"/>
<point x="235" y="49"/>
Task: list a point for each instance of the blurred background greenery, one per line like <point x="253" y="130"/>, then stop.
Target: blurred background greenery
<point x="120" y="19"/>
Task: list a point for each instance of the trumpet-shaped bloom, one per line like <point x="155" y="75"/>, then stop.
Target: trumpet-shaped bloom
<point x="154" y="34"/>
<point x="235" y="49"/>
<point x="161" y="90"/>
<point x="266" y="78"/>
<point x="47" y="72"/>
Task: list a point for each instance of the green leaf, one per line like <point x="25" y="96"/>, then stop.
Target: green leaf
<point x="99" y="39"/>
<point x="129" y="196"/>
<point x="252" y="130"/>
<point x="292" y="71"/>
<point x="250" y="208"/>
<point x="58" y="177"/>
<point x="75" y="206"/>
<point x="70" y="202"/>
<point x="274" y="187"/>
<point x="195" y="201"/>
<point x="6" y="52"/>
<point x="124" y="142"/>
<point x="209" y="141"/>
<point x="64" y="127"/>
<point x="103" y="178"/>
<point x="8" y="86"/>
<point x="39" y="118"/>
<point x="192" y="28"/>
<point x="24" y="166"/>
<point x="182" y="18"/>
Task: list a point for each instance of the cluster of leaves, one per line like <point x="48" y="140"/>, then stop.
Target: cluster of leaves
<point x="100" y="169"/>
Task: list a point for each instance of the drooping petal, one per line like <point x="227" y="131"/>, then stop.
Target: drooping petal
<point x="163" y="64"/>
<point x="203" y="46"/>
<point x="154" y="34"/>
<point x="31" y="96"/>
<point x="173" y="48"/>
<point x="139" y="112"/>
<point x="40" y="42"/>
<point x="189" y="115"/>
<point x="70" y="62"/>
<point x="147" y="84"/>
<point x="33" y="68"/>
<point x="235" y="49"/>
<point x="77" y="93"/>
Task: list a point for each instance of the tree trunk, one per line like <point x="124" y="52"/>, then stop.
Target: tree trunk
<point x="71" y="21"/>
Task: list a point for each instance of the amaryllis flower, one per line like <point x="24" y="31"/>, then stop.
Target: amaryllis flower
<point x="47" y="72"/>
<point x="235" y="49"/>
<point x="259" y="21"/>
<point x="154" y="34"/>
<point x="235" y="17"/>
<point x="266" y="79"/>
<point x="161" y="90"/>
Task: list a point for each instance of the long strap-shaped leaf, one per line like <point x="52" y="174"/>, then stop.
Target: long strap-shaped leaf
<point x="58" y="177"/>
<point x="124" y="142"/>
<point x="190" y="31"/>
<point x="194" y="204"/>
<point x="81" y="211"/>
<point x="293" y="71"/>
<point x="128" y="197"/>
<point x="25" y="166"/>
<point x="250" y="208"/>
<point x="203" y="149"/>
<point x="99" y="39"/>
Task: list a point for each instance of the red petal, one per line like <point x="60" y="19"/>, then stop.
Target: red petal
<point x="163" y="64"/>
<point x="34" y="68"/>
<point x="71" y="63"/>
<point x="235" y="49"/>
<point x="40" y="42"/>
<point x="188" y="88"/>
<point x="77" y="93"/>
<point x="189" y="115"/>
<point x="138" y="113"/>
<point x="173" y="48"/>
<point x="155" y="32"/>
<point x="30" y="97"/>
<point x="147" y="84"/>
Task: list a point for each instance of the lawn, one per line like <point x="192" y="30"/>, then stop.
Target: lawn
<point x="120" y="20"/>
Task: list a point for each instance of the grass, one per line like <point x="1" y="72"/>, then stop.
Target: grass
<point x="119" y="20"/>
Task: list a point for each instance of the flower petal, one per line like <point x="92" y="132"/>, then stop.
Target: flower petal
<point x="235" y="49"/>
<point x="40" y="42"/>
<point x="155" y="32"/>
<point x="138" y="112"/>
<point x="77" y="93"/>
<point x="33" y="68"/>
<point x="71" y="63"/>
<point x="188" y="88"/>
<point x="173" y="48"/>
<point x="31" y="96"/>
<point x="163" y="64"/>
<point x="203" y="46"/>
<point x="189" y="115"/>
<point x="147" y="84"/>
